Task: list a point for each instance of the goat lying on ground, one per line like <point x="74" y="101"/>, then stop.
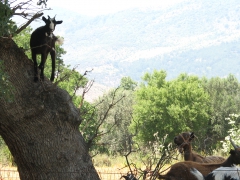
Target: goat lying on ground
<point x="224" y="173"/>
<point x="42" y="42"/>
<point x="182" y="170"/>
<point x="183" y="141"/>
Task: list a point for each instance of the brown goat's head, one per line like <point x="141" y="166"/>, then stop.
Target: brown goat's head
<point x="183" y="139"/>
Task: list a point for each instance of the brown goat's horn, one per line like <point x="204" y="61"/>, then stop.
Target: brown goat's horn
<point x="233" y="144"/>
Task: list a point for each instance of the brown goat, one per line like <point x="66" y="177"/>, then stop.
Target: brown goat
<point x="183" y="141"/>
<point x="183" y="170"/>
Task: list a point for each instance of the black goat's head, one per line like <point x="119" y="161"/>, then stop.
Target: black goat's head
<point x="51" y="23"/>
<point x="235" y="153"/>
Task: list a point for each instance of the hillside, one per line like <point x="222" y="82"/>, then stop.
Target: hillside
<point x="197" y="37"/>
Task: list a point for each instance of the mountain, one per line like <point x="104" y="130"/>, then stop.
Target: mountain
<point x="198" y="37"/>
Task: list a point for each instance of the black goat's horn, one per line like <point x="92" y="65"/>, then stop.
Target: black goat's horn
<point x="233" y="144"/>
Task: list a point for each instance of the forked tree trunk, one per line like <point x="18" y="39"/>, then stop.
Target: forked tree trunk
<point x="40" y="125"/>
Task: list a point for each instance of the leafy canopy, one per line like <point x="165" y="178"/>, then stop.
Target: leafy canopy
<point x="169" y="107"/>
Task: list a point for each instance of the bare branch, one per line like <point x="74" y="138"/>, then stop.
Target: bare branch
<point x="85" y="90"/>
<point x="104" y="117"/>
<point x="19" y="6"/>
<point x="29" y="22"/>
<point x="27" y="10"/>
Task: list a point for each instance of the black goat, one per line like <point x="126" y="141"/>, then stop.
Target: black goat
<point x="42" y="42"/>
<point x="224" y="173"/>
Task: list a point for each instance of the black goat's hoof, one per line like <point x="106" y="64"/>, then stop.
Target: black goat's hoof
<point x="51" y="79"/>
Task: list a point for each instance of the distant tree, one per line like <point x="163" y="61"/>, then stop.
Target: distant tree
<point x="120" y="117"/>
<point x="127" y="83"/>
<point x="169" y="107"/>
<point x="114" y="133"/>
<point x="224" y="94"/>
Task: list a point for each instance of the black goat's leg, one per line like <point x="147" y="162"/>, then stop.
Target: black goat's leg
<point x="41" y="66"/>
<point x="53" y="56"/>
<point x="34" y="56"/>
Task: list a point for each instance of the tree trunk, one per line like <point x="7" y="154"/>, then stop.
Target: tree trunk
<point x="40" y="125"/>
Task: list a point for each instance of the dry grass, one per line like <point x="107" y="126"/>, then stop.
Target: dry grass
<point x="110" y="173"/>
<point x="108" y="168"/>
<point x="9" y="173"/>
<point x="105" y="173"/>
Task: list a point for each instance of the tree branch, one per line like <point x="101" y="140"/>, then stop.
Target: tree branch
<point x="103" y="118"/>
<point x="29" y="22"/>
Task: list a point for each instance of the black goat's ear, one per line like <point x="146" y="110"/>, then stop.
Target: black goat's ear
<point x="44" y="19"/>
<point x="59" y="22"/>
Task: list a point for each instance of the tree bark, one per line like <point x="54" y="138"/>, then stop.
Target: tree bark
<point x="40" y="125"/>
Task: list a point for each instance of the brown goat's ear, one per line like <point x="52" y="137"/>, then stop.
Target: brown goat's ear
<point x="59" y="22"/>
<point x="232" y="152"/>
<point x="191" y="136"/>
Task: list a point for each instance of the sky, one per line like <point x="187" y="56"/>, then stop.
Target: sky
<point x="97" y="7"/>
<point x="100" y="7"/>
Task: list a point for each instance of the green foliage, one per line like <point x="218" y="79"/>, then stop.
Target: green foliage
<point x="127" y="83"/>
<point x="156" y="151"/>
<point x="88" y="126"/>
<point x="23" y="40"/>
<point x="70" y="80"/>
<point x="170" y="107"/>
<point x="156" y="79"/>
<point x="224" y="94"/>
<point x="6" y="158"/>
<point x="113" y="115"/>
<point x="7" y="26"/>
<point x="120" y="118"/>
